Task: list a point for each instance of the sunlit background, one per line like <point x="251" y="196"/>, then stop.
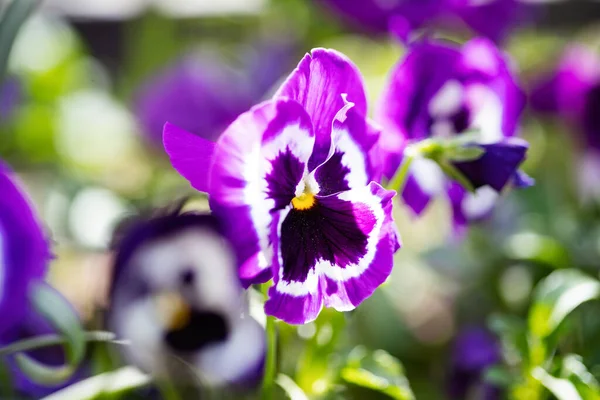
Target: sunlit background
<point x="92" y="82"/>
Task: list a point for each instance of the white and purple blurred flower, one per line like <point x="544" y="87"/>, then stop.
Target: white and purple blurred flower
<point x="176" y="296"/>
<point x="24" y="250"/>
<point x="572" y="93"/>
<point x="293" y="181"/>
<point x="493" y="19"/>
<point x="440" y="90"/>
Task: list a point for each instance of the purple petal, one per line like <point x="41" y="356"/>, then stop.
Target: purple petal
<point x="376" y="16"/>
<point x="257" y="165"/>
<point x="190" y="155"/>
<point x="334" y="254"/>
<point x="349" y="164"/>
<point x="200" y="94"/>
<point x="493" y="19"/>
<point x="318" y="84"/>
<point x="403" y="108"/>
<point x="24" y="252"/>
<point x="424" y="181"/>
<point x="456" y="194"/>
<point x="497" y="166"/>
<point x="521" y="180"/>
<point x="414" y="196"/>
<point x="564" y="91"/>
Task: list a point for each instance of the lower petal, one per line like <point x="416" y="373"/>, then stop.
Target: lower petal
<point x="334" y="254"/>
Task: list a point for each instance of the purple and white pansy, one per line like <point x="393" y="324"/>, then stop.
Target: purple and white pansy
<point x="293" y="180"/>
<point x="440" y="90"/>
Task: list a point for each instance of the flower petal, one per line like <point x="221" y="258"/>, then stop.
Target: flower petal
<point x="349" y="164"/>
<point x="24" y="252"/>
<point x="334" y="254"/>
<point x="258" y="162"/>
<point x="317" y="84"/>
<point x="190" y="155"/>
<point x="497" y="166"/>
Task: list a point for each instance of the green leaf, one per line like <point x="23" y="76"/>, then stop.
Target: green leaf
<point x="562" y="389"/>
<point x="378" y="371"/>
<point x="453" y="173"/>
<point x="43" y="374"/>
<point x="498" y="376"/>
<point x="463" y="153"/>
<point x="534" y="247"/>
<point x="12" y="20"/>
<point x="50" y="304"/>
<point x="293" y="391"/>
<point x="115" y="382"/>
<point x="556" y="296"/>
<point x="575" y="370"/>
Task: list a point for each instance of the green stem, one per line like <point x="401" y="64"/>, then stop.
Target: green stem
<point x="399" y="179"/>
<point x="271" y="362"/>
<point x="53" y="340"/>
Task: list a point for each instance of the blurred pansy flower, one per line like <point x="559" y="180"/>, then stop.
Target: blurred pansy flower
<point x="442" y="92"/>
<point x="203" y="93"/>
<point x="491" y="18"/>
<point x="176" y="296"/>
<point x="293" y="182"/>
<point x="32" y="324"/>
<point x="24" y="251"/>
<point x="474" y="351"/>
<point x="572" y="92"/>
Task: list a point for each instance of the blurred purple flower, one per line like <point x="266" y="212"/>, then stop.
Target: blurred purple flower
<point x="201" y="94"/>
<point x="204" y="94"/>
<point x="32" y="324"/>
<point x="474" y="350"/>
<point x="24" y="252"/>
<point x="492" y="18"/>
<point x="294" y="183"/>
<point x="442" y="90"/>
<point x="572" y="93"/>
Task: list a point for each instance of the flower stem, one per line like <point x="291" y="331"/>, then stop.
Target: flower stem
<point x="268" y="383"/>
<point x="271" y="361"/>
<point x="398" y="181"/>
<point x="53" y="340"/>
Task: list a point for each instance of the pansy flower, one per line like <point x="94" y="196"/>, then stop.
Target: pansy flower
<point x="443" y="91"/>
<point x="572" y="93"/>
<point x="176" y="296"/>
<point x="203" y="94"/>
<point x="293" y="182"/>
<point x="24" y="252"/>
<point x="474" y="351"/>
<point x="492" y="19"/>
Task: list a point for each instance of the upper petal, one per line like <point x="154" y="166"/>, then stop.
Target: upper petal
<point x="317" y="84"/>
<point x="336" y="253"/>
<point x="257" y="165"/>
<point x="349" y="164"/>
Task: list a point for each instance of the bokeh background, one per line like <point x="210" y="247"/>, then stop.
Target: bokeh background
<point x="91" y="84"/>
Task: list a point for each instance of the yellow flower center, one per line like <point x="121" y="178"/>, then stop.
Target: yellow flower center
<point x="304" y="201"/>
